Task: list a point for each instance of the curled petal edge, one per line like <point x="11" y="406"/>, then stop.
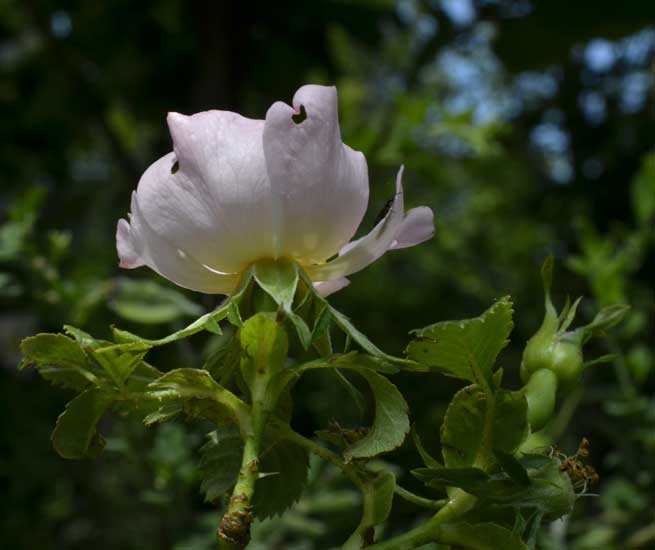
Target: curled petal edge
<point x="395" y="231"/>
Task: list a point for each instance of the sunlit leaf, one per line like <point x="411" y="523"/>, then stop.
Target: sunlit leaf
<point x="465" y="349"/>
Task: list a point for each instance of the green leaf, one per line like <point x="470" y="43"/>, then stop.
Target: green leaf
<point x="220" y="461"/>
<point x="465" y="349"/>
<point x="479" y="536"/>
<point x="75" y="434"/>
<point x="264" y="344"/>
<point x="185" y="384"/>
<point x="120" y="360"/>
<point x="288" y="463"/>
<point x="162" y="414"/>
<point x="59" y="359"/>
<point x="391" y="422"/>
<point x="462" y="431"/>
<point x="148" y="302"/>
<point x="84" y="339"/>
<point x="280" y="280"/>
<point x="512" y="467"/>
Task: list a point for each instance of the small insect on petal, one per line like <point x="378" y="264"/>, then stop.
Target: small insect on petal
<point x="385" y="209"/>
<point x="175" y="167"/>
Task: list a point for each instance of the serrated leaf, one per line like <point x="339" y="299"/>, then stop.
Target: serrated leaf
<point x="275" y="493"/>
<point x="59" y="359"/>
<point x="463" y="426"/>
<point x="84" y="339"/>
<point x="465" y="349"/>
<point x="479" y="536"/>
<point x="220" y="461"/>
<point x="391" y="422"/>
<point x="75" y="435"/>
<point x="184" y="384"/>
<point x="120" y="360"/>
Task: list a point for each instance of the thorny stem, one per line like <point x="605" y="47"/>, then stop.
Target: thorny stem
<point x="234" y="531"/>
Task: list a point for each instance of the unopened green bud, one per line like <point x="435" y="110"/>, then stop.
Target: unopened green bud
<point x="540" y="393"/>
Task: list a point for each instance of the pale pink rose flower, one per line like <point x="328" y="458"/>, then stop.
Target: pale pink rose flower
<point x="236" y="190"/>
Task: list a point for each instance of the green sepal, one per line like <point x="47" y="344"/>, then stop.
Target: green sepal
<point x="205" y="322"/>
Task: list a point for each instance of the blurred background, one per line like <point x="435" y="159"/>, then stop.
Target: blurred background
<point x="527" y="126"/>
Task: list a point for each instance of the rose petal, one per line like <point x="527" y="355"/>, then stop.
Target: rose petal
<point x="212" y="191"/>
<point x="325" y="288"/>
<point x="319" y="184"/>
<point x="396" y="230"/>
<point x="356" y="255"/>
<point x="417" y="227"/>
<point x="138" y="244"/>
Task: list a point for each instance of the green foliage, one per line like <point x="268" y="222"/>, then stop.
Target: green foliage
<point x="119" y="361"/>
<point x="59" y="360"/>
<point x="283" y="474"/>
<point x="264" y="343"/>
<point x="189" y="384"/>
<point x="391" y="421"/>
<point x="468" y="438"/>
<point x="465" y="349"/>
<point x="220" y="461"/>
<point x="75" y="435"/>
